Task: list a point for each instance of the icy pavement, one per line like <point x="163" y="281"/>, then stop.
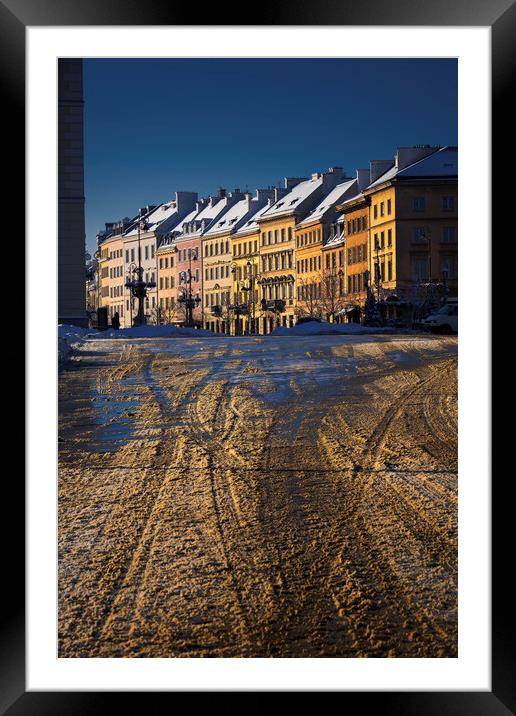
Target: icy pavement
<point x="259" y="496"/>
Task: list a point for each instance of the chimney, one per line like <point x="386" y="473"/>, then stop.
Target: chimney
<point x="408" y="155"/>
<point x="278" y="193"/>
<point x="222" y="193"/>
<point x="338" y="171"/>
<point x="362" y="179"/>
<point x="264" y="194"/>
<point x="377" y="167"/>
<point x="185" y="200"/>
<point x="291" y="182"/>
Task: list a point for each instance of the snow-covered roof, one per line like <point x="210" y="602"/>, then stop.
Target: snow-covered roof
<point x="156" y="218"/>
<point x="441" y="163"/>
<point x="185" y="220"/>
<point x="233" y="217"/>
<point x="335" y="241"/>
<point x="329" y="201"/>
<point x="206" y="215"/>
<point x="212" y="210"/>
<point x="289" y="203"/>
<point x="251" y="225"/>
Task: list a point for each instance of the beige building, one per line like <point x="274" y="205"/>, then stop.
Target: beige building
<point x="141" y="243"/>
<point x="223" y="307"/>
<point x="245" y="244"/>
<point x="277" y="245"/>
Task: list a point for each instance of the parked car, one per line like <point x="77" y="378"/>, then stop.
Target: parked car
<point x="445" y="320"/>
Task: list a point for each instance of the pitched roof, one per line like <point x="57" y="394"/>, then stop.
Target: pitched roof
<point x="251" y="225"/>
<point x="288" y="204"/>
<point x="329" y="201"/>
<point x="441" y="163"/>
<point x="234" y="217"/>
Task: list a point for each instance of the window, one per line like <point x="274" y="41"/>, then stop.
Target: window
<point x="448" y="234"/>
<point x="389" y="207"/>
<point x="419" y="235"/>
<point x="448" y="203"/>
<point x="418" y="203"/>
<point x="419" y="269"/>
<point x="389" y="237"/>
<point x="375" y="211"/>
<point x="382" y="208"/>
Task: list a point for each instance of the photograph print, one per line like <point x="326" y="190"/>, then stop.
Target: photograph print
<point x="257" y="344"/>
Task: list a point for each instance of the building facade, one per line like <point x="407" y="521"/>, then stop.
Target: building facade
<point x="413" y="225"/>
<point x="246" y="270"/>
<point x="312" y="233"/>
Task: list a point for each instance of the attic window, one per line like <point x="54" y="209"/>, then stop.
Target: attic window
<point x="293" y="201"/>
<point x="278" y="205"/>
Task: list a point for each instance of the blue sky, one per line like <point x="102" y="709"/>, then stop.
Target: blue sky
<point x="155" y="126"/>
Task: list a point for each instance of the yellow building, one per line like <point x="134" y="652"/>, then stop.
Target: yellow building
<point x="227" y="303"/>
<point x="112" y="278"/>
<point x="277" y="245"/>
<point x="312" y="233"/>
<point x="413" y="224"/>
<point x="167" y="287"/>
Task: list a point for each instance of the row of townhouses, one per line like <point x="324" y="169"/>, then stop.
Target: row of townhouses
<point x="248" y="263"/>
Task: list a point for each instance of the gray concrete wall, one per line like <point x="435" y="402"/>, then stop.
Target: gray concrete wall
<point x="71" y="229"/>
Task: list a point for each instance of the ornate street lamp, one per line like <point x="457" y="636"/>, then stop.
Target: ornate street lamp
<point x="187" y="298"/>
<point x="250" y="288"/>
<point x="138" y="286"/>
<point x="237" y="307"/>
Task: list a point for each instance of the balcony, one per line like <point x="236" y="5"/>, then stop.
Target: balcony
<point x="277" y="305"/>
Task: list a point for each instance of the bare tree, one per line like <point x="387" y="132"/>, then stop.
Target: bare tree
<point x="309" y="303"/>
<point x="333" y="297"/>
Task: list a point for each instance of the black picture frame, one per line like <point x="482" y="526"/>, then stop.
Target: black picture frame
<point x="500" y="15"/>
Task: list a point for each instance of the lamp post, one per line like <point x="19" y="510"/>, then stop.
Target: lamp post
<point x="378" y="275"/>
<point x="250" y="289"/>
<point x="187" y="298"/>
<point x="138" y="286"/>
<point x="237" y="307"/>
<point x="131" y="270"/>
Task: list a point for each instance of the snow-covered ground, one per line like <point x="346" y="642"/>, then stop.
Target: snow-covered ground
<point x="154" y="332"/>
<point x="322" y="328"/>
<point x="71" y="338"/>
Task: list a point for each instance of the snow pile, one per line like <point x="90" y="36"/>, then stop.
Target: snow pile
<point x="153" y="332"/>
<point x="68" y="338"/>
<point x="316" y="328"/>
